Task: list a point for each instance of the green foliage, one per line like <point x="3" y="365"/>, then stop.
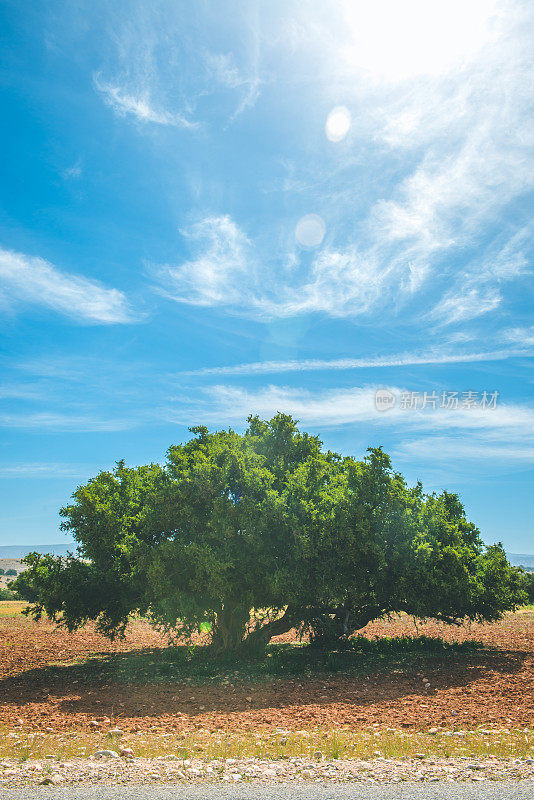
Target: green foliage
<point x="245" y="536"/>
<point x="2" y="572"/>
<point x="10" y="572"/>
<point x="528" y="587"/>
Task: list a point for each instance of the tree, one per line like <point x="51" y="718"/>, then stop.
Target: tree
<point x="246" y="536"/>
<point x="11" y="572"/>
<point x="528" y="585"/>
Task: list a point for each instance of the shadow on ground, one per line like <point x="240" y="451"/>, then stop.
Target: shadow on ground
<point x="191" y="681"/>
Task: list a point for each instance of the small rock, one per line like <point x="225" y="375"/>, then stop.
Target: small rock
<point x="94" y="724"/>
<point x="50" y="780"/>
<point x="106" y="754"/>
<point x="115" y="732"/>
<point x="318" y="755"/>
<point x="127" y="752"/>
<point x="433" y="731"/>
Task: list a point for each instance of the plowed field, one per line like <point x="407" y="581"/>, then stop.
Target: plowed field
<point x="44" y="683"/>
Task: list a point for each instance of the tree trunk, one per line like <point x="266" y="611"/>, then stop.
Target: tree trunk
<point x="260" y="638"/>
<point x="338" y="624"/>
<point x="230" y="627"/>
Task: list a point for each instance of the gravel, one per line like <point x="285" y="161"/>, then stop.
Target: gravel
<point x="106" y="768"/>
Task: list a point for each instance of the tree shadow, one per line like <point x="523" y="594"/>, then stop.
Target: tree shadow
<point x="192" y="681"/>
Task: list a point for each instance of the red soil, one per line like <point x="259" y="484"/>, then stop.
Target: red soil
<point x="494" y="687"/>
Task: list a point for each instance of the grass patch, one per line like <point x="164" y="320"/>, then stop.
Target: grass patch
<point x="364" y="745"/>
<point x="199" y="664"/>
<point x="12" y="608"/>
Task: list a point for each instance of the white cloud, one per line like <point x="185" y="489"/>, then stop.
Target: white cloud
<point x="73" y="172"/>
<point x="476" y="290"/>
<point x="59" y="421"/>
<point x="224" y="69"/>
<point x="520" y="336"/>
<point x="222" y="273"/>
<point x="46" y="470"/>
<point x="137" y="103"/>
<point x="467" y="304"/>
<point x="226" y="272"/>
<point x="401" y="360"/>
<point x="32" y="280"/>
<point x="507" y="428"/>
<point x="459" y="449"/>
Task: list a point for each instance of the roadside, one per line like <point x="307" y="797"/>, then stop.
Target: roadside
<point x="483" y="790"/>
<point x="108" y="768"/>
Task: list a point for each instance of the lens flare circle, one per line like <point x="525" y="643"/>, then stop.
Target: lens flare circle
<point x="337" y="124"/>
<point x="310" y="230"/>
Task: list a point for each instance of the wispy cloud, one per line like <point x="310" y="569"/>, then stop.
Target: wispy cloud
<point x="467" y="304"/>
<point x="227" y="271"/>
<point x="401" y="360"/>
<point x="221" y="274"/>
<point x="484" y="432"/>
<point x="73" y="172"/>
<point x="64" y="421"/>
<point x="521" y="336"/>
<point x="226" y="72"/>
<point x="461" y="449"/>
<point x="32" y="280"/>
<point x="138" y="104"/>
<point x="477" y="289"/>
<point x="46" y="470"/>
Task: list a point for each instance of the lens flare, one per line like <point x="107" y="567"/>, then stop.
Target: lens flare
<point x="310" y="230"/>
<point x="337" y="124"/>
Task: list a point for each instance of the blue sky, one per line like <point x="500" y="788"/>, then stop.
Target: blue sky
<point x="216" y="209"/>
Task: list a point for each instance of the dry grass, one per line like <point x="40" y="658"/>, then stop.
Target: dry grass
<point x="482" y="743"/>
<point x="12" y="608"/>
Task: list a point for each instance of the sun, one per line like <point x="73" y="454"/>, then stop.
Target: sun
<point x="394" y="40"/>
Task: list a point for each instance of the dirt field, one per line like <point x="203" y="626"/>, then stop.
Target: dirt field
<point x="44" y="683"/>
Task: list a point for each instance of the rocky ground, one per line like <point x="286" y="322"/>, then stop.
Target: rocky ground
<point x="495" y="687"/>
<point x="41" y="700"/>
<point x="110" y="768"/>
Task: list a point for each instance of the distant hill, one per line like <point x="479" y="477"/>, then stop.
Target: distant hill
<point x="21" y="550"/>
<point x="521" y="559"/>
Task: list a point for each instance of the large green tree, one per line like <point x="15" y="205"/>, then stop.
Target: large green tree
<point x="249" y="535"/>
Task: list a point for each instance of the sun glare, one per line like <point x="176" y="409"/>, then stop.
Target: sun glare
<point x="393" y="40"/>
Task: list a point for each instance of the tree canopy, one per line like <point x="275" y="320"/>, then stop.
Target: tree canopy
<point x="246" y="536"/>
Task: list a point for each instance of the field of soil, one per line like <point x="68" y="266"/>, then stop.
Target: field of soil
<point x="52" y="679"/>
